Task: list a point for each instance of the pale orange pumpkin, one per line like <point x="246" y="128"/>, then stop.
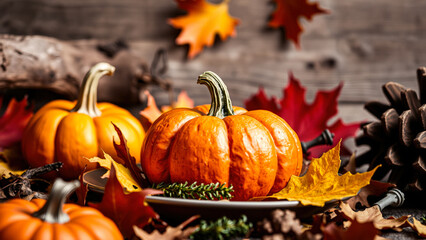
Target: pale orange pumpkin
<point x="256" y="151"/>
<point x="39" y="219"/>
<point x="71" y="132"/>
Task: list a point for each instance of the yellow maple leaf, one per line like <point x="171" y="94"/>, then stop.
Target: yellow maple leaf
<point x="322" y="182"/>
<point x="123" y="174"/>
<point x="203" y="21"/>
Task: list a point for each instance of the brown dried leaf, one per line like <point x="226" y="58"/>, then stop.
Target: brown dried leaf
<point x="351" y="166"/>
<point x="171" y="233"/>
<point x="357" y="230"/>
<point x="373" y="214"/>
<point x="418" y="227"/>
<point x="375" y="188"/>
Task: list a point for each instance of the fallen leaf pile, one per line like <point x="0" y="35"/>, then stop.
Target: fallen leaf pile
<point x="181" y="232"/>
<point x="322" y="182"/>
<point x="374" y="215"/>
<point x="203" y="21"/>
<point x="282" y="224"/>
<point x="308" y="120"/>
<point x="368" y="222"/>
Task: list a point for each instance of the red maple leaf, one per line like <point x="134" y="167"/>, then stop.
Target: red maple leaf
<point x="308" y="120"/>
<point x="126" y="210"/>
<point x="288" y="13"/>
<point x="13" y="122"/>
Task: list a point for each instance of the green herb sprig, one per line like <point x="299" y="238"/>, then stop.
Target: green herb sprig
<point x="212" y="191"/>
<point x="223" y="228"/>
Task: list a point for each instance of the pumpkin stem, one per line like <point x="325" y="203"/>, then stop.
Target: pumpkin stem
<point x="221" y="105"/>
<point x="87" y="98"/>
<point x="52" y="212"/>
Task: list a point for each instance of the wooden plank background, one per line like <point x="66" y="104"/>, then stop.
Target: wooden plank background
<point x="362" y="43"/>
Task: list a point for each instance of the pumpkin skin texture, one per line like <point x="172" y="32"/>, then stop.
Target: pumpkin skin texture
<point x="18" y="223"/>
<point x="70" y="132"/>
<point x="254" y="151"/>
<point x="86" y="223"/>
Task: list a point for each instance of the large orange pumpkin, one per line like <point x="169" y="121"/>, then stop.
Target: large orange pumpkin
<point x="52" y="219"/>
<point x="70" y="132"/>
<point x="255" y="151"/>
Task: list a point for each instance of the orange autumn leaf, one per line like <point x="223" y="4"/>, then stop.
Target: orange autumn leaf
<point x="288" y="13"/>
<point x="203" y="21"/>
<point x="183" y="101"/>
<point x="322" y="182"/>
<point x="149" y="114"/>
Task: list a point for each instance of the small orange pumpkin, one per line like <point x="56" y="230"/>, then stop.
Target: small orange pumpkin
<point x="255" y="151"/>
<point x="52" y="219"/>
<point x="65" y="131"/>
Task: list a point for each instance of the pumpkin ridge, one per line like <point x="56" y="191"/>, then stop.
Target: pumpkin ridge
<point x="39" y="143"/>
<point x="95" y="221"/>
<point x="68" y="137"/>
<point x="285" y="151"/>
<point x="206" y="157"/>
<point x="22" y="217"/>
<point x="245" y="158"/>
<point x="154" y="150"/>
<point x="80" y="228"/>
<point x="45" y="228"/>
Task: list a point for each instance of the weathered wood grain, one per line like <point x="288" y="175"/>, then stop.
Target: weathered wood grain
<point x="361" y="43"/>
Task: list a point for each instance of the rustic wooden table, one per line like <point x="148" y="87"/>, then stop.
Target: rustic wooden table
<point x="361" y="43"/>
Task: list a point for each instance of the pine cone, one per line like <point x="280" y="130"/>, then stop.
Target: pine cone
<point x="398" y="140"/>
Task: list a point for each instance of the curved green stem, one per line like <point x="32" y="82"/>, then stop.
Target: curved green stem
<point x="221" y="105"/>
<point x="51" y="211"/>
<point x="87" y="98"/>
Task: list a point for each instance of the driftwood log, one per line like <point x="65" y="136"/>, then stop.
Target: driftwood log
<point x="39" y="63"/>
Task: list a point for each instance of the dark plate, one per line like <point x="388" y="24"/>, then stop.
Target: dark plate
<point x="176" y="210"/>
